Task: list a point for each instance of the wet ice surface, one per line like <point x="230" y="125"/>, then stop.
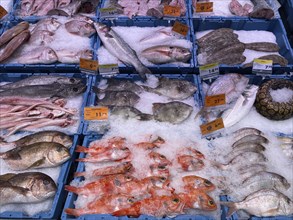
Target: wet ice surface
<point x="133" y="39"/>
<point x="250" y="37"/>
<point x="282" y="95"/>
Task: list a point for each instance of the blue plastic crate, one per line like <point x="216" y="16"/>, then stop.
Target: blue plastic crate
<point x="288" y="8"/>
<point x="134" y="77"/>
<point x="47" y="68"/>
<point x="14" y="77"/>
<point x="235" y="17"/>
<point x="164" y="68"/>
<point x="142" y="18"/>
<point x="60" y="196"/>
<point x="71" y="198"/>
<point x="275" y="26"/>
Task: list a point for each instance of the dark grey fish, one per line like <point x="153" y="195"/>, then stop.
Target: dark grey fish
<point x="277" y="59"/>
<point x="12" y="32"/>
<point x="42" y="136"/>
<point x="226" y="36"/>
<point x="173" y="112"/>
<point x="38" y="155"/>
<point x="122" y="85"/>
<point x="155" y="12"/>
<point x="215" y="33"/>
<point x="256" y="139"/>
<point x="50" y="90"/>
<point x="218" y="45"/>
<point x="127" y="112"/>
<point x="263" y="46"/>
<point x="30" y="187"/>
<point x="119" y="98"/>
<point x="14" y="44"/>
<point x="173" y="88"/>
<point x="41" y="80"/>
<point x="261" y="10"/>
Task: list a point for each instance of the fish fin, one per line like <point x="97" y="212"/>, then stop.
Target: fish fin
<point x="132" y="211"/>
<point x="11" y="155"/>
<point x="81" y="149"/>
<point x="109" y="35"/>
<point x="37" y="163"/>
<point x="7" y="176"/>
<point x="74" y="212"/>
<point x="2" y="141"/>
<point x="147" y="89"/>
<point x="231" y="208"/>
<point x="71" y="189"/>
<point x="142" y="71"/>
<point x="96" y="89"/>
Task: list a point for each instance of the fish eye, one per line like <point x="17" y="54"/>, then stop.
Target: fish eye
<point x="162" y="157"/>
<point x="130" y="200"/>
<point x="75" y="89"/>
<point x="163" y="178"/>
<point x="128" y="177"/>
<point x="46" y="182"/>
<point x="50" y="52"/>
<point x="208" y="183"/>
<point x="161" y="167"/>
<point x="176" y="200"/>
<point x="211" y="203"/>
<point x="72" y="80"/>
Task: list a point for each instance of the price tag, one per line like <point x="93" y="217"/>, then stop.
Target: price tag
<point x="3" y="12"/>
<point x="109" y="70"/>
<point x="96" y="113"/>
<point x="173" y="11"/>
<point x="215" y="100"/>
<point x="204" y="7"/>
<point x="180" y="28"/>
<point x="212" y="126"/>
<point x="109" y="12"/>
<point x="88" y="66"/>
<point x="209" y="71"/>
<point x="262" y="67"/>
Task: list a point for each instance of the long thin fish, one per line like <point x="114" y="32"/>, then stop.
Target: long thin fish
<point x="12" y="32"/>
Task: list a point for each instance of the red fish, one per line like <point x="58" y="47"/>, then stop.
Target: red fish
<point x="150" y="145"/>
<point x="159" y="158"/>
<point x="190" y="163"/>
<point x="199" y="183"/>
<point x="159" y="170"/>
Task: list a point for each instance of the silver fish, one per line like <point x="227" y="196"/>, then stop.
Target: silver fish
<point x="246" y="131"/>
<point x="30" y="187"/>
<point x="127" y="112"/>
<point x="26" y="7"/>
<point x="12" y="32"/>
<point x="38" y="155"/>
<point x="80" y="28"/>
<point x="41" y="80"/>
<point x="257" y="139"/>
<point x="47" y="24"/>
<point x="67" y="10"/>
<point x="250" y="170"/>
<point x="44" y="55"/>
<point x="120" y="49"/>
<point x="41" y="37"/>
<point x="241" y="108"/>
<point x="70" y="56"/>
<point x="42" y="136"/>
<point x="162" y="34"/>
<point x="62" y="3"/>
<point x="263" y="203"/>
<point x="119" y="98"/>
<point x="245" y="148"/>
<point x="122" y="85"/>
<point x="173" y="88"/>
<point x="166" y="54"/>
<point x="173" y="112"/>
<point x="261" y="10"/>
<point x="265" y="180"/>
<point x="46" y="6"/>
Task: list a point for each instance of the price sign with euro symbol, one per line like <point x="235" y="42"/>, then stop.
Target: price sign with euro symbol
<point x="88" y="66"/>
<point x="180" y="28"/>
<point x="96" y="113"/>
<point x="209" y="71"/>
<point x="215" y="100"/>
<point x="211" y="127"/>
<point x="262" y="67"/>
<point x="204" y="7"/>
<point x="172" y="11"/>
<point x="109" y="12"/>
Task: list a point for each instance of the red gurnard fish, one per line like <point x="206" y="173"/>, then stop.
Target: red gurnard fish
<point x="190" y="163"/>
<point x="150" y="145"/>
<point x="159" y="158"/>
<point x="197" y="182"/>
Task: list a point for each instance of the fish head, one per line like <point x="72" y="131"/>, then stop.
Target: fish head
<point x="43" y="186"/>
<point x="159" y="158"/>
<point x="65" y="139"/>
<point x="69" y="80"/>
<point x="73" y="90"/>
<point x="159" y="181"/>
<point x="204" y="201"/>
<point x="101" y="28"/>
<point x="87" y="54"/>
<point x="48" y="56"/>
<point x="58" y="154"/>
<point x="87" y="28"/>
<point x="197" y="182"/>
<point x="22" y="26"/>
<point x="53" y="24"/>
<point x="181" y="54"/>
<point x="173" y="204"/>
<point x="285" y="205"/>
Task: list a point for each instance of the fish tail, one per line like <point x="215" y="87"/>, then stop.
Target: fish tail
<point x="129" y="211"/>
<point x="82" y="160"/>
<point x="142" y="71"/>
<point x="81" y="149"/>
<point x="4" y="143"/>
<point x="78" y="174"/>
<point x="218" y="165"/>
<point x="231" y="208"/>
<point x="75" y="212"/>
<point x="3" y="155"/>
<point x="145" y="117"/>
<point x="72" y="189"/>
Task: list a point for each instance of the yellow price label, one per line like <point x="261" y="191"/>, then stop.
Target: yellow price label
<point x="3" y="12"/>
<point x="204" y="7"/>
<point x="92" y="65"/>
<point x="215" y="100"/>
<point x="208" y="66"/>
<point x="172" y="11"/>
<point x="212" y="126"/>
<point x="96" y="113"/>
<point x="180" y="28"/>
<point x="264" y="62"/>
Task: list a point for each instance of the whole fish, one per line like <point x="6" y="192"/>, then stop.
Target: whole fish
<point x="82" y="18"/>
<point x="73" y="56"/>
<point x="252" y="138"/>
<point x="213" y="44"/>
<point x="106" y="204"/>
<point x="265" y="180"/>
<point x="47" y="24"/>
<point x="251" y="170"/>
<point x="190" y="163"/>
<point x="12" y="32"/>
<point x="62" y="3"/>
<point x="156" y="206"/>
<point x="173" y="88"/>
<point x="198" y="200"/>
<point x="166" y="54"/>
<point x="232" y="85"/>
<point x="173" y="112"/>
<point x="159" y="158"/>
<point x="38" y="155"/>
<point x="159" y="170"/>
<point x="42" y="136"/>
<point x="261" y="10"/>
<point x="119" y="98"/>
<point x="245" y="147"/>
<point x="242" y="132"/>
<point x="122" y="85"/>
<point x="277" y="59"/>
<point x="50" y="90"/>
<point x="213" y="34"/>
<point x="127" y="112"/>
<point x="198" y="183"/>
<point x="150" y="145"/>
<point x="120" y="49"/>
<point x="241" y="108"/>
<point x="30" y="187"/>
<point x="41" y="80"/>
<point x="161" y="34"/>
<point x="263" y="46"/>
<point x="66" y="10"/>
<point x="80" y="28"/>
<point x="46" y="6"/>
<point x="44" y="55"/>
<point x="237" y="9"/>
<point x="25" y="7"/>
<point x="14" y="44"/>
<point x="263" y="203"/>
<point x="41" y="37"/>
